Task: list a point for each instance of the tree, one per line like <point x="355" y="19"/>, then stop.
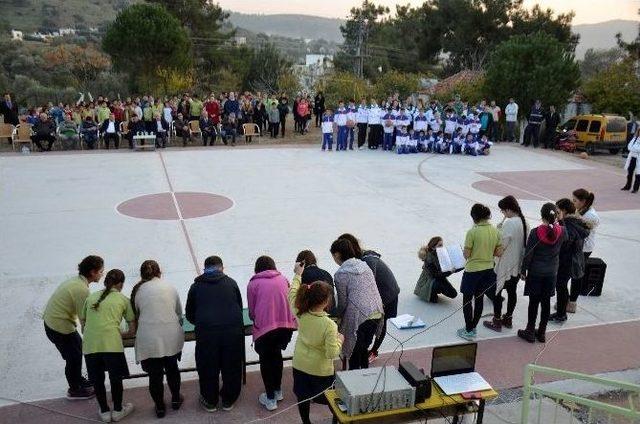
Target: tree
<point x="83" y="63"/>
<point x="392" y="82"/>
<point x="146" y="37"/>
<point x="615" y="90"/>
<point x="532" y="67"/>
<point x="596" y="61"/>
<point x="266" y="66"/>
<point x="632" y="48"/>
<point x="342" y="86"/>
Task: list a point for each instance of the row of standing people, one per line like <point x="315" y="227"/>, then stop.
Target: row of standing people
<point x="364" y="287"/>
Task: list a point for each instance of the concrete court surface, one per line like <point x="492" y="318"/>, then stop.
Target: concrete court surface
<point x="57" y="208"/>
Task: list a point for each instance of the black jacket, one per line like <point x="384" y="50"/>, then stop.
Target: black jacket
<point x="541" y="255"/>
<point x="10" y="113"/>
<point x="552" y="120"/>
<point x="571" y="256"/>
<point x="214" y="303"/>
<point x="163" y="123"/>
<point x="44" y="128"/>
<point x="313" y="273"/>
<point x="105" y="125"/>
<point x="385" y="280"/>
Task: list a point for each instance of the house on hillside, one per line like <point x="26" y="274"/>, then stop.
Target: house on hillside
<point x="314" y="68"/>
<point x="16" y="35"/>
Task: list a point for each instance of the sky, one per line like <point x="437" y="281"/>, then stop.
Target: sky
<point x="587" y="11"/>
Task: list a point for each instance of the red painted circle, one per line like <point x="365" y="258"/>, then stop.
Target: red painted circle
<point x="163" y="207"/>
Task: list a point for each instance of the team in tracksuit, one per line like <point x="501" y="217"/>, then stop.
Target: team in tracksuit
<point x="406" y="129"/>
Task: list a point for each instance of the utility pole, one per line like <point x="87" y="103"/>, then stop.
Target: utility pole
<point x="359" y="57"/>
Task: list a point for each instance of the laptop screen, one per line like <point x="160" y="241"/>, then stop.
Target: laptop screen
<point x="456" y="359"/>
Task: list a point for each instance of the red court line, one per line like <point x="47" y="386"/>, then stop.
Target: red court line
<point x="182" y="224"/>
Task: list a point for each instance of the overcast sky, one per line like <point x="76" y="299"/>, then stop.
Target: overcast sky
<point x="587" y="11"/>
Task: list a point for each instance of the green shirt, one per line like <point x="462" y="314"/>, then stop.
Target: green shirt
<point x="317" y="344"/>
<point x="65" y="304"/>
<point x="103" y="114"/>
<point x="482" y="240"/>
<point x="102" y="325"/>
<point x="196" y="107"/>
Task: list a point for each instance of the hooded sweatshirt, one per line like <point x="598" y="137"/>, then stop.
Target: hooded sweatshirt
<point x="214" y="303"/>
<point x="542" y="251"/>
<point x="571" y="256"/>
<point x="267" y="295"/>
<point x="385" y="280"/>
<point x="358" y="300"/>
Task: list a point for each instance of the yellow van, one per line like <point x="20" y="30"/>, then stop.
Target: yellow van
<point x="597" y="132"/>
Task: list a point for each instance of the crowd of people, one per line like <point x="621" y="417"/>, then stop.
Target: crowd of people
<point x="340" y="316"/>
<point x="361" y="295"/>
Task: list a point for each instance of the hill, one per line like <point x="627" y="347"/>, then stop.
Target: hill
<point x="290" y="26"/>
<point x="602" y="35"/>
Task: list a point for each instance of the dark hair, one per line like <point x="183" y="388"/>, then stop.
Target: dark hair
<point x="312" y="295"/>
<point x="431" y="246"/>
<point x="549" y="213"/>
<point x="586" y="196"/>
<point x="354" y="243"/>
<point x="213" y="262"/>
<point x="566" y="206"/>
<point x="307" y="257"/>
<point x="510" y="203"/>
<point x="264" y="263"/>
<point x="113" y="278"/>
<point x="148" y="271"/>
<point x="89" y="264"/>
<point x="344" y="248"/>
<point x="480" y="212"/>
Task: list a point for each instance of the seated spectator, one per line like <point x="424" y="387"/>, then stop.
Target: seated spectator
<point x="136" y="126"/>
<point x="161" y="130"/>
<point x="68" y="131"/>
<point x="208" y="129"/>
<point x="182" y="129"/>
<point x="44" y="130"/>
<point x="159" y="336"/>
<point x="273" y="325"/>
<point x="109" y="130"/>
<point x="214" y="306"/>
<point x="89" y="132"/>
<point x="229" y="129"/>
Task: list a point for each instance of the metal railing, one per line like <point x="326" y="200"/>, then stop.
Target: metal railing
<point x="593" y="411"/>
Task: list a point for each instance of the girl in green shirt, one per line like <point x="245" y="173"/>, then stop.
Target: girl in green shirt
<point x="102" y="346"/>
<point x="318" y="343"/>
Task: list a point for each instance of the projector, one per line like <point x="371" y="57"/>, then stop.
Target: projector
<point x="360" y="394"/>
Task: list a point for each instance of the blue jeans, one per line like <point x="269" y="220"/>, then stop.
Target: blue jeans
<point x="343" y="133"/>
<point x="387" y="141"/>
<point x="327" y="141"/>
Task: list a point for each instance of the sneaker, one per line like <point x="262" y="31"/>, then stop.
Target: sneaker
<point x="571" y="307"/>
<point x="127" y="409"/>
<point x="227" y="406"/>
<point x="209" y="407"/>
<point x="372" y="357"/>
<point x="495" y="324"/>
<point x="105" y="417"/>
<point x="270" y="404"/>
<point x="556" y="317"/>
<point x="161" y="412"/>
<point x="527" y="335"/>
<point x="467" y="335"/>
<point x="507" y="322"/>
<point x="176" y="404"/>
<point x="626" y="188"/>
<point x="82" y="393"/>
<point x="279" y="395"/>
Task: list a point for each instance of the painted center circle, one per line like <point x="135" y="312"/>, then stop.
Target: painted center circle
<point x="173" y="206"/>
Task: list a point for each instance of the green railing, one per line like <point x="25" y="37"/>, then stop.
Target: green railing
<point x="597" y="411"/>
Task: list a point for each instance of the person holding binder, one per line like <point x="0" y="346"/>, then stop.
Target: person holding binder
<point x="482" y="243"/>
<point x="433" y="281"/>
<point x="514" y="232"/>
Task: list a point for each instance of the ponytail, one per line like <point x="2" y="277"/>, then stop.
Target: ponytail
<point x="585" y="196"/>
<point x="113" y="278"/>
<point x="510" y="203"/>
<point x="310" y="296"/>
<point x="549" y="213"/>
<point x="148" y="271"/>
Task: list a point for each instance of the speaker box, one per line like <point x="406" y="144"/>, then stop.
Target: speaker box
<point x="594" y="273"/>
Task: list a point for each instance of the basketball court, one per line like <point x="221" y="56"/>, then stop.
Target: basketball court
<point x="179" y="206"/>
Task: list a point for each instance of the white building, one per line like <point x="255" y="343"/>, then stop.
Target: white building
<point x="16" y="35"/>
<point x="317" y="59"/>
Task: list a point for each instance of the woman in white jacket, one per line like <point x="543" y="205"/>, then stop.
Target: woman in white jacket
<point x="632" y="166"/>
<point x="159" y="338"/>
<point x="514" y="237"/>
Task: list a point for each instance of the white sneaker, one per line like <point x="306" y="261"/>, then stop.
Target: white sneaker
<point x="127" y="409"/>
<point x="105" y="417"/>
<point x="270" y="404"/>
<point x="279" y="395"/>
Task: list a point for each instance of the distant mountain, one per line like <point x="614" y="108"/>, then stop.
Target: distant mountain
<point x="291" y="26"/>
<point x="602" y="35"/>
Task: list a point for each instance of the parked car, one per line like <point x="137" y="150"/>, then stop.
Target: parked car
<point x="596" y="132"/>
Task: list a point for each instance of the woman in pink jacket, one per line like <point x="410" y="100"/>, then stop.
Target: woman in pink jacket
<point x="273" y="325"/>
